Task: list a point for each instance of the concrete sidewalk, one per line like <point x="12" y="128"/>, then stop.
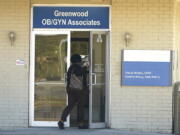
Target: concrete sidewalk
<point x="71" y="131"/>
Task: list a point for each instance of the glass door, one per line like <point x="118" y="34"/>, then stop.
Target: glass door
<point x="50" y="61"/>
<point x="97" y="109"/>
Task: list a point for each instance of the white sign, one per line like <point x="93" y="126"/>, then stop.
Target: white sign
<point x="20" y="62"/>
<point x="147" y="55"/>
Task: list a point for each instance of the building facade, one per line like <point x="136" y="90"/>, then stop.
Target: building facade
<point x="153" y="25"/>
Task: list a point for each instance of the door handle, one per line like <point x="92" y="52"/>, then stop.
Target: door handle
<point x="94" y="79"/>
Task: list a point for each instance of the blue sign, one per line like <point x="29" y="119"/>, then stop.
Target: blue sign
<point x="71" y="17"/>
<point x="146" y="68"/>
<point x="146" y="74"/>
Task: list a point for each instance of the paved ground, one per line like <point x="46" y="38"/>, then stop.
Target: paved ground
<point x="70" y="131"/>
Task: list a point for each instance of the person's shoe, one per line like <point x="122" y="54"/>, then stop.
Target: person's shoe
<point x="61" y="125"/>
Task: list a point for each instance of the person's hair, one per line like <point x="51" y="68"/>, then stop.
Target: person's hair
<point x="76" y="58"/>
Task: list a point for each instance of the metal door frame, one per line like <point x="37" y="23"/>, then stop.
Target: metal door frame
<point x="107" y="84"/>
<point x="32" y="73"/>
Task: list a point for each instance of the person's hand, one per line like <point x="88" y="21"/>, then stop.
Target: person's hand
<point x="86" y="64"/>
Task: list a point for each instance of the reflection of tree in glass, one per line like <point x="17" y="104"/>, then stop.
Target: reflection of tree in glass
<point x="49" y="101"/>
<point x="79" y="47"/>
<point x="47" y="57"/>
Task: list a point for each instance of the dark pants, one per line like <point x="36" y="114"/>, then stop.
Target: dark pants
<point x="75" y="97"/>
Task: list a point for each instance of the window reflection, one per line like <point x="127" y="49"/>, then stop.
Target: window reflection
<point x="50" y="68"/>
<point x="50" y="58"/>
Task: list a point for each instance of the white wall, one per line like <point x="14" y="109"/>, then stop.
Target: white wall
<point x="14" y="79"/>
<point x="177" y="41"/>
<point x="151" y="24"/>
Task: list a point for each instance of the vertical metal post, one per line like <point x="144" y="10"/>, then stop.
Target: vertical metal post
<point x="90" y="79"/>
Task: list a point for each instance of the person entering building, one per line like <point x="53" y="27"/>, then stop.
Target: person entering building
<point x="77" y="90"/>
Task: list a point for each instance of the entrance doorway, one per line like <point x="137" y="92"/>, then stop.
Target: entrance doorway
<point x="80" y="44"/>
<point x="50" y="59"/>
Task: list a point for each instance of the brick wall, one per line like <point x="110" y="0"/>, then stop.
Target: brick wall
<point x="14" y="79"/>
<point x="177" y="39"/>
<point x="151" y="24"/>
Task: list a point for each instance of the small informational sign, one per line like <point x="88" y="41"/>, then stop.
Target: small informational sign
<point x="146" y="68"/>
<point x="71" y="17"/>
<point x="20" y="62"/>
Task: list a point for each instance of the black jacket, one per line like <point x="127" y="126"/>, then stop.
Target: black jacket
<point x="78" y="70"/>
